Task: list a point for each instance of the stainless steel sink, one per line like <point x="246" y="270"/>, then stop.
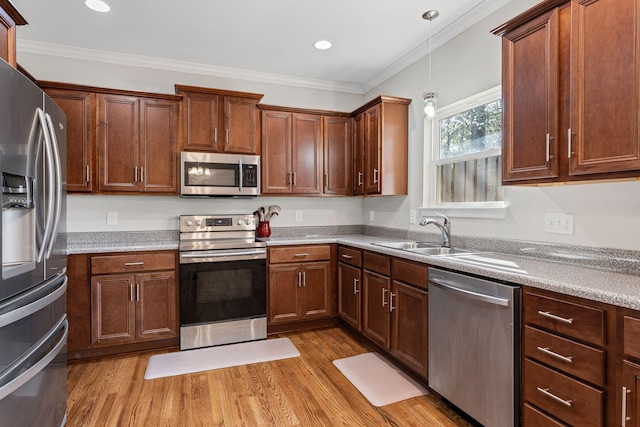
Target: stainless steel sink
<point x="424" y="248"/>
<point x="439" y="250"/>
<point x="405" y="245"/>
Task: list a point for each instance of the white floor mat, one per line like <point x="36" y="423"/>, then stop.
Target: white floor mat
<point x="381" y="382"/>
<point x="205" y="359"/>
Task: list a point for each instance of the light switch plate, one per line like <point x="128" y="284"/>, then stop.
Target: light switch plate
<point x="412" y="216"/>
<point x="298" y="216"/>
<point x="560" y="223"/>
<point x="371" y="216"/>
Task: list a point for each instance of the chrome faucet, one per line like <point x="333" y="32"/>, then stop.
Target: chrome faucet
<point x="445" y="228"/>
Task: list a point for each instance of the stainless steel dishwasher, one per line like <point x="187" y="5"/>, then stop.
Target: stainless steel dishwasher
<point x="474" y="346"/>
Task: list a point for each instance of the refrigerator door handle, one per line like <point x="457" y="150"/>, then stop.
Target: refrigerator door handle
<point x="49" y="179"/>
<point x="8" y="386"/>
<point x="58" y="184"/>
<point x="32" y="307"/>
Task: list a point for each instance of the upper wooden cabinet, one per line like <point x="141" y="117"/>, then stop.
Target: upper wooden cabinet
<point x="292" y="154"/>
<point x="381" y="144"/>
<point x="338" y="155"/>
<point x="9" y="18"/>
<point x="137" y="144"/>
<point x="80" y="108"/>
<point x="570" y="99"/>
<point x="222" y="121"/>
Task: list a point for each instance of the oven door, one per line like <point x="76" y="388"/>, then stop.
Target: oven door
<point x="222" y="302"/>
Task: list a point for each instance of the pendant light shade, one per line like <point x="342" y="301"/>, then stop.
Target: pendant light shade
<point x="430" y="98"/>
<point x="430" y="104"/>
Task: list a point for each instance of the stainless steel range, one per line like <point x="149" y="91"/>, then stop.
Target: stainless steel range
<point x="223" y="296"/>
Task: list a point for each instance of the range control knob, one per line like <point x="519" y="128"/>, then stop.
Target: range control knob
<point x="198" y="222"/>
<point x="239" y="222"/>
<point x="188" y="222"/>
<point x="248" y="221"/>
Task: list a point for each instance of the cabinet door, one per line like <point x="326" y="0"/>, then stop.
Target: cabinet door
<point x="201" y="118"/>
<point x="276" y="152"/>
<point x="349" y="294"/>
<point x="306" y="147"/>
<point x="284" y="294"/>
<point x="338" y="158"/>
<point x="7" y="38"/>
<point x="409" y="339"/>
<point x="78" y="106"/>
<point x="358" y="154"/>
<point x="241" y="125"/>
<point x="530" y="70"/>
<point x="375" y="317"/>
<point x="118" y="143"/>
<point x="372" y="150"/>
<point x="628" y="391"/>
<point x="158" y="139"/>
<point x="316" y="286"/>
<point x="156" y="312"/>
<point x="604" y="87"/>
<point x="112" y="309"/>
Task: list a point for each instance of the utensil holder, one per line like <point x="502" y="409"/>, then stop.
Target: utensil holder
<point x="264" y="229"/>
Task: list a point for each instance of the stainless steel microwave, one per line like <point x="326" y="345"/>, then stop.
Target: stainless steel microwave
<point x="219" y="175"/>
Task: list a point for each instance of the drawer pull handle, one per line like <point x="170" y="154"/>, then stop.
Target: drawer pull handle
<point x="355" y="286"/>
<point x="625" y="391"/>
<point x="545" y="350"/>
<point x="346" y="256"/>
<point x="129" y="264"/>
<point x="384" y="300"/>
<point x="554" y="317"/>
<point x="301" y="255"/>
<point x="546" y="392"/>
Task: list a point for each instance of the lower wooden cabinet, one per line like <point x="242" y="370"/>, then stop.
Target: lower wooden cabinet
<point x="350" y="286"/>
<point x="394" y="307"/>
<point x="121" y="302"/>
<point x="133" y="307"/>
<point x="301" y="284"/>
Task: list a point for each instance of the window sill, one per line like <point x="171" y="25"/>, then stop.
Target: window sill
<point x="488" y="212"/>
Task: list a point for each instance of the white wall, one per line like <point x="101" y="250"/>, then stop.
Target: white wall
<point x="606" y="214"/>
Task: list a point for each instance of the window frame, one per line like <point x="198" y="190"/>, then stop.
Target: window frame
<point x="432" y="161"/>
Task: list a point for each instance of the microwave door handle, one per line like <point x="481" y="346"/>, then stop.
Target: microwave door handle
<point x="49" y="179"/>
<point x="57" y="166"/>
<point x="241" y="173"/>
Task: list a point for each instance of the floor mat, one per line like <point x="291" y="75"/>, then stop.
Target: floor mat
<point x="205" y="359"/>
<point x="379" y="380"/>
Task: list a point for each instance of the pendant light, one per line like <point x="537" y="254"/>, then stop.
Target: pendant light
<point x="430" y="98"/>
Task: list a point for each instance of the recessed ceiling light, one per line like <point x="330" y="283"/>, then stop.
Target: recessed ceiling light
<point x="97" y="5"/>
<point x="322" y="44"/>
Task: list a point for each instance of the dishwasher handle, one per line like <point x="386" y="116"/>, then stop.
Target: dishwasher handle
<point x="471" y="294"/>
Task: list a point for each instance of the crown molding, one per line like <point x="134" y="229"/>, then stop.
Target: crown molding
<point x="50" y="49"/>
<point x="474" y="15"/>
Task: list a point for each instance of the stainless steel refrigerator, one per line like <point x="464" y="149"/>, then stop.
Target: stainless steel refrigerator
<point x="33" y="320"/>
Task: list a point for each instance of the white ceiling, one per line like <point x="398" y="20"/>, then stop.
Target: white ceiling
<point x="270" y="40"/>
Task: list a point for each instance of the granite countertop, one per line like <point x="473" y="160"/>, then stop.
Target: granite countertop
<point x="522" y="264"/>
<point x="594" y="284"/>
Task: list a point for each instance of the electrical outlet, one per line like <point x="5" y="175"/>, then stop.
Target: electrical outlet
<point x="112" y="218"/>
<point x="412" y="216"/>
<point x="298" y="216"/>
<point x="560" y="223"/>
<point x="371" y="216"/>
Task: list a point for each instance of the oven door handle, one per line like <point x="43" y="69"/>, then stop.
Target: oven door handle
<point x="222" y="254"/>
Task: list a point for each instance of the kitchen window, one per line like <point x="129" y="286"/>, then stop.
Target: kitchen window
<point x="466" y="162"/>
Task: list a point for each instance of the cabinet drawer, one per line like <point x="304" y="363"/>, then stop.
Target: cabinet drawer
<point x="569" y="356"/>
<point x="575" y="320"/>
<point x="411" y="273"/>
<point x="377" y="263"/>
<point x="132" y="262"/>
<point x="350" y="256"/>
<point x="631" y="331"/>
<point x="299" y="254"/>
<point x="567" y="399"/>
<point x="532" y="417"/>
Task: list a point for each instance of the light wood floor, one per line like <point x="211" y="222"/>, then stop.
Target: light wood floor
<point x="302" y="391"/>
